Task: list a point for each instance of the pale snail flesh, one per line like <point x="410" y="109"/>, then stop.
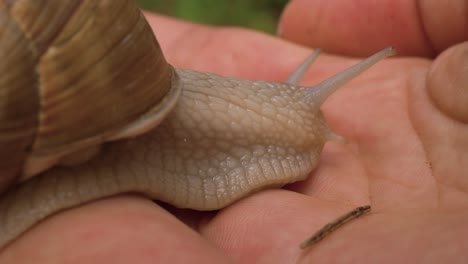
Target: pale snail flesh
<point x="194" y="140"/>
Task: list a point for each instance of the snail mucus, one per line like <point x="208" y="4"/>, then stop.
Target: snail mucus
<point x="90" y="108"/>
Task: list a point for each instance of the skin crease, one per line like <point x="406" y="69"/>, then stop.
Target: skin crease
<point x="405" y="156"/>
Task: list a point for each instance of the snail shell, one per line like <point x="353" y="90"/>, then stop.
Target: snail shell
<point x="82" y="73"/>
<point x="67" y="79"/>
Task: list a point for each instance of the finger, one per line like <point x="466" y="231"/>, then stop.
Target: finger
<point x="421" y="28"/>
<point x="448" y="83"/>
<point x="126" y="229"/>
<point x="269" y="226"/>
<point x="440" y="116"/>
<point x="233" y="52"/>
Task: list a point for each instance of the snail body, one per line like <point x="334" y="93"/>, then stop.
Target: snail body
<point x="129" y="122"/>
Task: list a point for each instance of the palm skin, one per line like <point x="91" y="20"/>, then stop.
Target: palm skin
<point x="406" y="125"/>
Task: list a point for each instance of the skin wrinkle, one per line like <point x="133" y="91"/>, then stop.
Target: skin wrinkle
<point x="128" y="170"/>
<point x="291" y="165"/>
<point x="244" y="175"/>
<point x="33" y="190"/>
<point x="440" y="191"/>
<point x="97" y="180"/>
<point x="115" y="173"/>
<point x="371" y="184"/>
<point x="280" y="167"/>
<point x="420" y="141"/>
<point x="225" y="181"/>
<point x="55" y="192"/>
<point x="443" y="112"/>
<point x="54" y="196"/>
<point x="146" y="177"/>
<point x="391" y="179"/>
<point x="132" y="171"/>
<point x="260" y="167"/>
<point x="79" y="190"/>
<point x="388" y="178"/>
<point x="187" y="188"/>
<point x="408" y="116"/>
<point x="441" y="180"/>
<point x="410" y="94"/>
<point x="55" y="188"/>
<point x="460" y="190"/>
<point x="204" y="190"/>
<point x="422" y="27"/>
<point x="31" y="198"/>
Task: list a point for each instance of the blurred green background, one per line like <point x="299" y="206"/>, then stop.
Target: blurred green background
<point x="258" y="14"/>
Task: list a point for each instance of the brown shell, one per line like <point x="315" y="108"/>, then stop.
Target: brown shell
<point x="72" y="74"/>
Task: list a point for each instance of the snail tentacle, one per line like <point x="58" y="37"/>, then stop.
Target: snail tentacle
<point x="320" y="92"/>
<point x="297" y="75"/>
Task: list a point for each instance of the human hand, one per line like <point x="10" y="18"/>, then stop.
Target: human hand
<point x="406" y="123"/>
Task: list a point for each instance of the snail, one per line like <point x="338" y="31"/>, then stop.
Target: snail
<point x="90" y="109"/>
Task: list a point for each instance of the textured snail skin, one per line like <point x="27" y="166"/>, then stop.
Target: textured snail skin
<point x="224" y="139"/>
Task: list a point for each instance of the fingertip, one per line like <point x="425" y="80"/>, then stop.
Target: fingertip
<point x="357" y="28"/>
<point x="447" y="82"/>
<point x="444" y="23"/>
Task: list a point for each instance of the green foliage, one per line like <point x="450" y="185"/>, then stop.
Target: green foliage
<point x="258" y="14"/>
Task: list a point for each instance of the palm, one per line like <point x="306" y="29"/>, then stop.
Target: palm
<point x="395" y="160"/>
